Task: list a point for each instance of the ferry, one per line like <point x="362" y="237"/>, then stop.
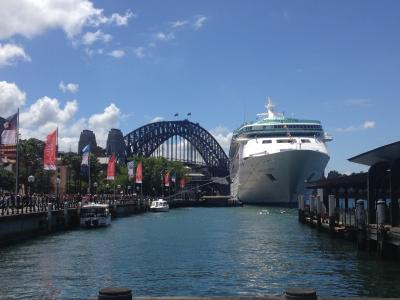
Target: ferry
<point x="95" y="215"/>
<point x="159" y="205"/>
<point x="273" y="158"/>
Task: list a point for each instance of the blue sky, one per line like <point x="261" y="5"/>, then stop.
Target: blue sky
<point x="128" y="62"/>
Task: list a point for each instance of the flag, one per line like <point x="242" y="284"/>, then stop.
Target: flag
<point x="9" y="130"/>
<point x="182" y="182"/>
<point x="166" y="178"/>
<point x="8" y="140"/>
<point x="111" y="168"/>
<point x="49" y="153"/>
<point x="173" y="177"/>
<point x="139" y="170"/>
<point x="131" y="168"/>
<point x="85" y="159"/>
<point x="176" y="114"/>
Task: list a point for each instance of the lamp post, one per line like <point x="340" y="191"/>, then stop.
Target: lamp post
<point x="58" y="181"/>
<point x="95" y="187"/>
<point x="119" y="190"/>
<point x="31" y="180"/>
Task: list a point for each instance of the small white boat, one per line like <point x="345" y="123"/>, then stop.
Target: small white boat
<point x="159" y="205"/>
<point x="95" y="215"/>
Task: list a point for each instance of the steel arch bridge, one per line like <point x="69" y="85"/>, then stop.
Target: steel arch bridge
<point x="146" y="139"/>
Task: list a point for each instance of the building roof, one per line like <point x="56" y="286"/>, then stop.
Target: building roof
<point x="386" y="153"/>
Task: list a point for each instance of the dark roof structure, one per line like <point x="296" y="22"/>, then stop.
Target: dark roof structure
<point x="386" y="153"/>
<point x="351" y="181"/>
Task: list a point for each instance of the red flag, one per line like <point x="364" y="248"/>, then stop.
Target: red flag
<point x="111" y="168"/>
<point x="182" y="182"/>
<point x="49" y="153"/>
<point x="139" y="173"/>
<point x="166" y="178"/>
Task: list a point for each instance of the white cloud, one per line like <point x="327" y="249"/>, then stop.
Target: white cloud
<point x="119" y="20"/>
<point x="359" y="102"/>
<point x="157" y="119"/>
<point x="161" y="36"/>
<point x="178" y="23"/>
<point x="47" y="114"/>
<point x="11" y="98"/>
<point x="368" y="124"/>
<point x="91" y="37"/>
<point x="223" y="136"/>
<point x="117" y="53"/>
<point x="365" y="126"/>
<point x="103" y="122"/>
<point x="139" y="52"/>
<point x="10" y="53"/>
<point x="30" y="18"/>
<point x="69" y="87"/>
<point x="199" y="22"/>
<point x="47" y="110"/>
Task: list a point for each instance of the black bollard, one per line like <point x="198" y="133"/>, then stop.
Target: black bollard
<point x="300" y="294"/>
<point x="115" y="293"/>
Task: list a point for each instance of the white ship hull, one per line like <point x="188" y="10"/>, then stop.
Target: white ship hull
<point x="90" y="222"/>
<point x="277" y="178"/>
<point x="273" y="158"/>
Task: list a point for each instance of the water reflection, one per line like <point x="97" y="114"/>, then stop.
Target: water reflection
<point x="224" y="251"/>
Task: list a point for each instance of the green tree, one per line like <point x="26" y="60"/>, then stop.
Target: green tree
<point x="152" y="169"/>
<point x="73" y="163"/>
<point x="7" y="180"/>
<point x="334" y="174"/>
<point x="78" y="182"/>
<point x="30" y="156"/>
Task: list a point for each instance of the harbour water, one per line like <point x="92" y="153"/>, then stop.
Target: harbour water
<point x="194" y="251"/>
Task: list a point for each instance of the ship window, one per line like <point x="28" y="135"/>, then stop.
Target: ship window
<point x="267" y="142"/>
<point x="271" y="177"/>
<point x="285" y="141"/>
<point x="305" y="141"/>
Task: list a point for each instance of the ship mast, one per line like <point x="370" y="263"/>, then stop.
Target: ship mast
<point x="270" y="114"/>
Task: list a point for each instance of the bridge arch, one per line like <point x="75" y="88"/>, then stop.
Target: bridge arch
<point x="146" y="139"/>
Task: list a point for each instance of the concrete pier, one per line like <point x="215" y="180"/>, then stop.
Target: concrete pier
<point x="44" y="215"/>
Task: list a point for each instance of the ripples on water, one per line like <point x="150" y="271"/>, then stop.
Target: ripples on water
<point x="201" y="251"/>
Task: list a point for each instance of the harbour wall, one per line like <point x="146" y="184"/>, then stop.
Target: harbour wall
<point x="18" y="223"/>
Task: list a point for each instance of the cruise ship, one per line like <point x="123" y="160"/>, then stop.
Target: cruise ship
<point x="273" y="158"/>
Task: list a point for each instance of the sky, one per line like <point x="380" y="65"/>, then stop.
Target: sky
<point x="81" y="64"/>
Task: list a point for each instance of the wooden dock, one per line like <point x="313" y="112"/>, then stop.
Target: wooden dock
<point x="350" y="224"/>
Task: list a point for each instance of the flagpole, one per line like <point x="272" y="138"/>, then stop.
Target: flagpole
<point x="89" y="169"/>
<point x="57" y="145"/>
<point x="162" y="184"/>
<point x="17" y="162"/>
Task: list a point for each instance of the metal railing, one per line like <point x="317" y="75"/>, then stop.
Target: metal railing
<point x="15" y="205"/>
